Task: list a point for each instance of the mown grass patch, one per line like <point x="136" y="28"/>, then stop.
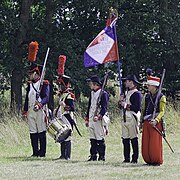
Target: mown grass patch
<point x="15" y="150"/>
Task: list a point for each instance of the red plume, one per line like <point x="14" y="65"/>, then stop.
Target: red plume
<point x="61" y="63"/>
<point x="32" y="51"/>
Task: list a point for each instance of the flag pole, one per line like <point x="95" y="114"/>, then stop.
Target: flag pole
<point x="120" y="78"/>
<point x="114" y="11"/>
<point x="119" y="66"/>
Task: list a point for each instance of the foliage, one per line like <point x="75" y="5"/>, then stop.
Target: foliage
<point x="147" y="34"/>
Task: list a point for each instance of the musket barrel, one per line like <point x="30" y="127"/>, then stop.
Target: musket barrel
<point x="155" y="106"/>
<point x="45" y="60"/>
<point x="100" y="94"/>
<point x="42" y="74"/>
<point x="159" y="92"/>
<point x="163" y="138"/>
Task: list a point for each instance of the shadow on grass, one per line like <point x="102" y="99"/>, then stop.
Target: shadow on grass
<point x="116" y="164"/>
<point x="57" y="160"/>
<point x="126" y="165"/>
<point x="26" y="158"/>
<point x="86" y="163"/>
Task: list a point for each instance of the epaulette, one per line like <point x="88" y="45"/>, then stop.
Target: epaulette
<point x="58" y="93"/>
<point x="71" y="96"/>
<point x="46" y="82"/>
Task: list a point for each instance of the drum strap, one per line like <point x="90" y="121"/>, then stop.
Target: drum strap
<point x="34" y="87"/>
<point x="35" y="90"/>
<point x="59" y="106"/>
<point x="57" y="111"/>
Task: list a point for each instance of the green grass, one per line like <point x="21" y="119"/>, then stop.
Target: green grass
<point x="15" y="150"/>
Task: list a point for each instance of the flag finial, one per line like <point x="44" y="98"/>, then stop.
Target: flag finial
<point x="113" y="12"/>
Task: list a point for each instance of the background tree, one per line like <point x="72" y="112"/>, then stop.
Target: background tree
<point x="147" y="33"/>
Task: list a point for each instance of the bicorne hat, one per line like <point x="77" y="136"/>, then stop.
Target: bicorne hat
<point x="131" y="77"/>
<point x="95" y="79"/>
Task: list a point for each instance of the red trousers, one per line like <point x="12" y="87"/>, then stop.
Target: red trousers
<point x="151" y="144"/>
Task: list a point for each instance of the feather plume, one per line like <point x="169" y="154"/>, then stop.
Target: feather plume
<point x="32" y="51"/>
<point x="61" y="64"/>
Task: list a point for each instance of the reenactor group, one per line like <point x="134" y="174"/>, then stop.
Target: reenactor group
<point x="139" y="114"/>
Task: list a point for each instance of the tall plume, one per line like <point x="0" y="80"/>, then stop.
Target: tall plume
<point x="61" y="64"/>
<point x="32" y="51"/>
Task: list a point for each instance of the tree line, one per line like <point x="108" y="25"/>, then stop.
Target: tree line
<point x="147" y="31"/>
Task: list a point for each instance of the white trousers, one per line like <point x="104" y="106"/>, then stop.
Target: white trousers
<point x="36" y="121"/>
<point x="130" y="127"/>
<point x="96" y="130"/>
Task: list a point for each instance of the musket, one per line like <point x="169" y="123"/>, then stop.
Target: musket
<point x="101" y="92"/>
<point x="42" y="75"/>
<point x="155" y="106"/>
<point x="158" y="93"/>
<point x="163" y="137"/>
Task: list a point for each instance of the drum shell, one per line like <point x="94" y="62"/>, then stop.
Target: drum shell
<point x="58" y="130"/>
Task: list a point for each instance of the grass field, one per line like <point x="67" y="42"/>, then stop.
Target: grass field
<point x="15" y="150"/>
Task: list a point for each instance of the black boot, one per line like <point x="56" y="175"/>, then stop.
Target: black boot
<point x="34" y="143"/>
<point x="135" y="148"/>
<point x="67" y="150"/>
<point x="101" y="150"/>
<point x="126" y="143"/>
<point x="62" y="150"/>
<point x="42" y="139"/>
<point x="93" y="150"/>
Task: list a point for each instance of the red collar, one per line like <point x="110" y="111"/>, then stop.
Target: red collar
<point x="96" y="89"/>
<point x="36" y="80"/>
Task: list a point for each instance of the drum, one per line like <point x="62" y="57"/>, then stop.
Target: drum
<point x="58" y="130"/>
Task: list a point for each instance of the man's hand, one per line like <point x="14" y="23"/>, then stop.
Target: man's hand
<point x="153" y="122"/>
<point x="86" y="122"/>
<point x="97" y="117"/>
<point x="140" y="127"/>
<point x="123" y="104"/>
<point x="24" y="114"/>
<point x="37" y="107"/>
<point x="121" y="98"/>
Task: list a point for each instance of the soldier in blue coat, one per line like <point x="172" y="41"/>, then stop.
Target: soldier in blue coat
<point x="97" y="123"/>
<point x="35" y="109"/>
<point x="131" y="104"/>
